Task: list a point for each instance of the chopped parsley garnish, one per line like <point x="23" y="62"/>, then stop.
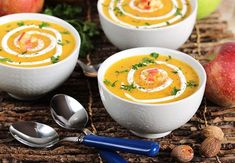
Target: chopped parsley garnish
<point x="122" y="71"/>
<point x="174" y="91"/>
<point x="154" y="55"/>
<point x="175" y="71"/>
<point x="65" y="32"/>
<point x="67" y="41"/>
<point x="168" y="23"/>
<point x="43" y="24"/>
<point x="109" y="83"/>
<point x="191" y="83"/>
<point x="59" y="42"/>
<point x="55" y="59"/>
<point x="145" y="62"/>
<point x="147" y="24"/>
<point x="20" y="24"/>
<point x="169" y="57"/>
<point x="128" y="87"/>
<point x="24" y="52"/>
<point x="5" y="60"/>
<point x="0" y="49"/>
<point x="178" y="11"/>
<point x="118" y="12"/>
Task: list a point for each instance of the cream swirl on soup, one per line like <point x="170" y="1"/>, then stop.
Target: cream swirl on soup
<point x="32" y="43"/>
<point x="146" y="13"/>
<point x="151" y="78"/>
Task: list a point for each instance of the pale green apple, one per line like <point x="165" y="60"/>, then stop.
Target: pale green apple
<point x="206" y="7"/>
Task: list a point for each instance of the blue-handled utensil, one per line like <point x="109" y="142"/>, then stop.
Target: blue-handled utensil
<point x="70" y="114"/>
<point x="40" y="135"/>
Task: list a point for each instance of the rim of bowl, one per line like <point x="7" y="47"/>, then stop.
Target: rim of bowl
<point x="100" y="78"/>
<point x="194" y="12"/>
<point x="44" y="17"/>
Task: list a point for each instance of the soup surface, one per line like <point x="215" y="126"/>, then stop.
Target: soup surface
<point x="146" y="13"/>
<point x="32" y="43"/>
<point x="151" y="78"/>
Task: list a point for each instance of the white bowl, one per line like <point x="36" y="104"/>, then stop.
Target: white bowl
<point x="172" y="36"/>
<point x="30" y="83"/>
<point x="151" y="120"/>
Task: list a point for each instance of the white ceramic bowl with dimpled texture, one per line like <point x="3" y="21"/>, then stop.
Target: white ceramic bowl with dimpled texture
<point x="31" y="83"/>
<point x="124" y="37"/>
<point x="151" y="120"/>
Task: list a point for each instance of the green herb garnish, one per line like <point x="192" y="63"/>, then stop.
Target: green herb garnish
<point x="65" y="32"/>
<point x="55" y="59"/>
<point x="154" y="55"/>
<point x="20" y="24"/>
<point x="122" y="71"/>
<point x="109" y="83"/>
<point x="128" y="87"/>
<point x="145" y="62"/>
<point x="118" y="12"/>
<point x="178" y="11"/>
<point x="191" y="84"/>
<point x="138" y="65"/>
<point x="43" y="24"/>
<point x="175" y="71"/>
<point x="168" y="23"/>
<point x="24" y="52"/>
<point x="174" y="91"/>
<point x="5" y="60"/>
<point x="169" y="57"/>
<point x="147" y="24"/>
<point x="59" y="42"/>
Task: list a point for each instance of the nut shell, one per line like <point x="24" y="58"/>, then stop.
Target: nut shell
<point x="210" y="147"/>
<point x="183" y="153"/>
<point x="213" y="131"/>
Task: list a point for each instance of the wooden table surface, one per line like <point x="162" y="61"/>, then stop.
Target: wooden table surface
<point x="207" y="33"/>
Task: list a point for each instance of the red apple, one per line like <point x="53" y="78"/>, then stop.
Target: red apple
<point x="220" y="87"/>
<point x="20" y="6"/>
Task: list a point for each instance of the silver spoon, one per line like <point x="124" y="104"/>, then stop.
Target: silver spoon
<point x="70" y="114"/>
<point x="36" y="134"/>
<point x="76" y="118"/>
<point x="89" y="70"/>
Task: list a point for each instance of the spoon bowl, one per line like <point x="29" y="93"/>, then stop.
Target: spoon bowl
<point x="89" y="70"/>
<point x="68" y="113"/>
<point x="34" y="134"/>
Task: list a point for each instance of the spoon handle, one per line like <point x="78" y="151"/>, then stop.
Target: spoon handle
<point x="111" y="156"/>
<point x="148" y="148"/>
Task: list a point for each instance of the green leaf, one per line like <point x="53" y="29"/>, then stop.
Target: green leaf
<point x="122" y="71"/>
<point x="154" y="55"/>
<point x="178" y="11"/>
<point x="191" y="84"/>
<point x="5" y="60"/>
<point x="55" y="59"/>
<point x="174" y="91"/>
<point x="128" y="87"/>
<point x="43" y="24"/>
<point x="109" y="83"/>
<point x="59" y="42"/>
<point x="175" y="71"/>
<point x="73" y="14"/>
<point x="20" y="24"/>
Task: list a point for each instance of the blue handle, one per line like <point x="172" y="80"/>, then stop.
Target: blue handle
<point x="111" y="157"/>
<point x="148" y="148"/>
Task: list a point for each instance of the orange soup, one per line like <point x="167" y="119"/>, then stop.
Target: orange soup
<point x="33" y="43"/>
<point x="151" y="78"/>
